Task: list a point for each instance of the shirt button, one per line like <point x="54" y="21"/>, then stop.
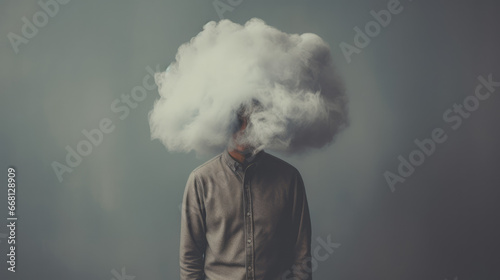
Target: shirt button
<point x="249" y="268"/>
<point x="248" y="214"/>
<point x="249" y="240"/>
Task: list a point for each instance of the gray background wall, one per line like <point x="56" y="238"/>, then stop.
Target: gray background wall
<point x="119" y="207"/>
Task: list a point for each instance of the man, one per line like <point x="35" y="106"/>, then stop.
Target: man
<point x="245" y="216"/>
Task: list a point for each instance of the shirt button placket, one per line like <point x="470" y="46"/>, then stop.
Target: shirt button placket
<point x="249" y="232"/>
<point x="248" y="225"/>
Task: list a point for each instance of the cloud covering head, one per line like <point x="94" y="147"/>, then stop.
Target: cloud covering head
<point x="284" y="83"/>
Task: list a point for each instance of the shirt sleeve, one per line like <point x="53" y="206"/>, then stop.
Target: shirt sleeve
<point x="193" y="228"/>
<point x="301" y="224"/>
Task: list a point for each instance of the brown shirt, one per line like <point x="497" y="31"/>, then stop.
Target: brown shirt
<point x="245" y="221"/>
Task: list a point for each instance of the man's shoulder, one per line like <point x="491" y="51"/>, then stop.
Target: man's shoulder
<point x="275" y="162"/>
<point x="208" y="166"/>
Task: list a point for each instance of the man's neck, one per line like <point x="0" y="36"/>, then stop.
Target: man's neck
<point x="237" y="155"/>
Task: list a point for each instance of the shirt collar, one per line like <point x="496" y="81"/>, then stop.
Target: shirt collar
<point x="235" y="165"/>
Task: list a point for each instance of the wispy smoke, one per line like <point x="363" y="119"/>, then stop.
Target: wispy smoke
<point x="285" y="82"/>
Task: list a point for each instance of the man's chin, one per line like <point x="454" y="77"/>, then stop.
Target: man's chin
<point x="245" y="150"/>
<point x="250" y="151"/>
